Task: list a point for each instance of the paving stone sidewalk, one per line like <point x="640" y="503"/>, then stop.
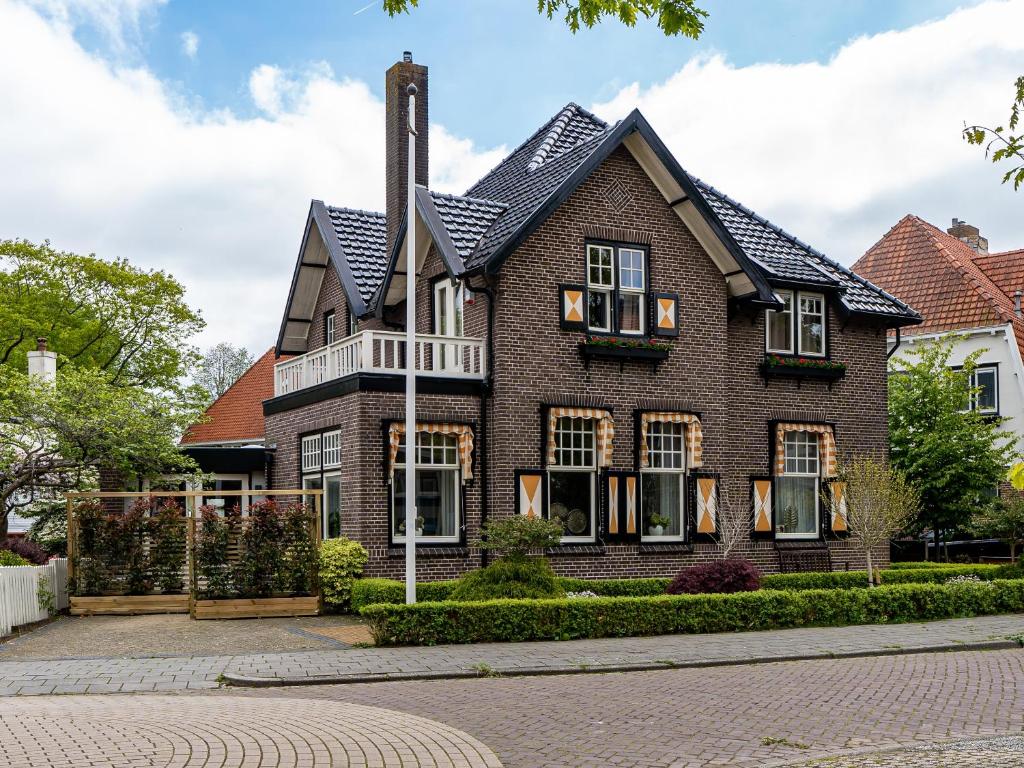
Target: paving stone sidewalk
<point x="109" y="675"/>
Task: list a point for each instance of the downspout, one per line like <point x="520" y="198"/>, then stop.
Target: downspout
<point x="892" y="351"/>
<point x="484" y="397"/>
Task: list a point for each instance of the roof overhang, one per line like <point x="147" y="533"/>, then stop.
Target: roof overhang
<point x="320" y="251"/>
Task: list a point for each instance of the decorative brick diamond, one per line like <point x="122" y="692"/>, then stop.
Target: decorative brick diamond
<point x="616" y="195"/>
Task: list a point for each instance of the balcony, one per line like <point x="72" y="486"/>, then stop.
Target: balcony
<point x="444" y="357"/>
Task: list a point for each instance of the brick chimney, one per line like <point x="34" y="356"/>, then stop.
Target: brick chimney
<point x="970" y="235"/>
<point x="396" y="109"/>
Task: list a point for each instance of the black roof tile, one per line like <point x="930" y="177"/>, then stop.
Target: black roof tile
<point x="363" y="237"/>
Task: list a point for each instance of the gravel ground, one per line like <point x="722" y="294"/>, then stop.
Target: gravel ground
<point x="1007" y="752"/>
<point x="72" y="637"/>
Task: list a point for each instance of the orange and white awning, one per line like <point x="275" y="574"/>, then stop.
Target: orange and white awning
<point x="463" y="432"/>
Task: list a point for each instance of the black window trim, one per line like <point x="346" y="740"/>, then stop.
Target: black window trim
<point x="613" y="312"/>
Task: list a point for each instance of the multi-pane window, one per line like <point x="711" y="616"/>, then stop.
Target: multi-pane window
<point x="984" y="384"/>
<point x="796" y="501"/>
<point x="332" y="449"/>
<point x="319" y="453"/>
<point x="329" y="328"/>
<point x="663" y="481"/>
<point x="572" y="478"/>
<point x="437" y="489"/>
<point x="799" y="327"/>
<point x="616" y="289"/>
<point x="310" y="452"/>
<point x="353" y="323"/>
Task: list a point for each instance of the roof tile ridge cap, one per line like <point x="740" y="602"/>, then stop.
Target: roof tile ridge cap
<point x="883" y="238"/>
<point x="471" y="198"/>
<point x="557" y="128"/>
<point x="344" y="209"/>
<point x="588" y="114"/>
<point x="959" y="266"/>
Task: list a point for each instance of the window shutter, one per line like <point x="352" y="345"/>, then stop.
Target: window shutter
<point x="707" y="505"/>
<point x="621" y="506"/>
<point x="665" y="314"/>
<point x="531" y="492"/>
<point x="761" y="493"/>
<point x="837" y="513"/>
<point x="572" y="307"/>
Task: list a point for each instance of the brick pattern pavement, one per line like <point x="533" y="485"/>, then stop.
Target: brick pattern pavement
<point x="110" y="675"/>
<point x="168" y="731"/>
<point x="971" y="753"/>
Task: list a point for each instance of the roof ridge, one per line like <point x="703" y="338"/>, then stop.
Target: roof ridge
<point x="560" y="123"/>
<point x="451" y="196"/>
<point x="377" y="214"/>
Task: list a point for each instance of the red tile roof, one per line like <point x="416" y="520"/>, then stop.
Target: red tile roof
<point x="944" y="279"/>
<point x="238" y="413"/>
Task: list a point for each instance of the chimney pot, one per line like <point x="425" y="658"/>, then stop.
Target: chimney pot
<point x="1016" y="302"/>
<point x="970" y="235"/>
<point x="41" y="344"/>
<point x="407" y="56"/>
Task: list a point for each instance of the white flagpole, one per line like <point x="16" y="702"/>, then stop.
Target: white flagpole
<point x="410" y="361"/>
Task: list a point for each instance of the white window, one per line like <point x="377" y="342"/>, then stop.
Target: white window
<point x="799" y="327"/>
<point x="438" y="490"/>
<point x="331" y="508"/>
<point x="310" y="452"/>
<point x="353" y="323"/>
<point x="663" y="482"/>
<point x="329" y="328"/>
<point x="984" y="383"/>
<point x="332" y="449"/>
<point x="572" y="478"/>
<point x="616" y="289"/>
<point x="313" y="483"/>
<point x="448" y="321"/>
<point x="796" y="490"/>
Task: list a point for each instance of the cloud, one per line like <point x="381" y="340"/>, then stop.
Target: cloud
<point x="190" y="44"/>
<point x="837" y="152"/>
<point x="120" y="21"/>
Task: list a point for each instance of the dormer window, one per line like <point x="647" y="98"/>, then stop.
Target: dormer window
<point x="616" y="289"/>
<point x="799" y="327"/>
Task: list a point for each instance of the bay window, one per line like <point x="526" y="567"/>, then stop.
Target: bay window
<point x="797" y="487"/>
<point x="663" y="481"/>
<point x="799" y="327"/>
<point x="616" y="289"/>
<point x="438" y="489"/>
<point x="572" y="478"/>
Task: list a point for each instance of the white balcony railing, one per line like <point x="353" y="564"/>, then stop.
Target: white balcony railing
<point x="452" y="357"/>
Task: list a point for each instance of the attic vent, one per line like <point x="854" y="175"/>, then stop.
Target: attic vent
<point x="616" y="195"/>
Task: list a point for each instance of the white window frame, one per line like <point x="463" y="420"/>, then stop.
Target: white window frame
<point x="613" y="289"/>
<point x="310" y="454"/>
<point x="809" y="438"/>
<point x="353" y="323"/>
<point x="795" y="322"/>
<point x="323" y="504"/>
<point x="973" y="383"/>
<point x="329" y="328"/>
<point x="454" y="466"/>
<point x="640" y="292"/>
<point x="586" y="467"/>
<point x="449" y="315"/>
<point x="600" y="286"/>
<point x="680" y="471"/>
<point x="330" y="442"/>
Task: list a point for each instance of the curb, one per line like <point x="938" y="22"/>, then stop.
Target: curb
<point x="246" y="681"/>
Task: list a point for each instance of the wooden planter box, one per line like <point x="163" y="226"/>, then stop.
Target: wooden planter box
<point x="128" y="605"/>
<point x="255" y="607"/>
<point x="829" y="375"/>
<point x="621" y="354"/>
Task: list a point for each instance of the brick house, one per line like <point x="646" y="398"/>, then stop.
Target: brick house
<point x="603" y="339"/>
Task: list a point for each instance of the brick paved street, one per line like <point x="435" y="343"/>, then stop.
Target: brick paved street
<point x="969" y="753"/>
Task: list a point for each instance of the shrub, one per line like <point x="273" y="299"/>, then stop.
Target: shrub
<point x="719" y="576"/>
<point x="10" y="558"/>
<point x="49" y="527"/>
<point x="341" y="563"/>
<point x="508" y="577"/>
<point x="940" y="575"/>
<point x="373" y="591"/>
<point x="298" y="564"/>
<point x="815" y="580"/>
<point x="167" y="531"/>
<point x="915" y="565"/>
<point x="617" y="587"/>
<point x="29" y="550"/>
<point x="255" y="573"/>
<point x="519" y="535"/>
<point x="565" y="619"/>
<point x="213" y="567"/>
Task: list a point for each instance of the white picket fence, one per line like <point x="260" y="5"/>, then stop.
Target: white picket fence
<point x="19" y="592"/>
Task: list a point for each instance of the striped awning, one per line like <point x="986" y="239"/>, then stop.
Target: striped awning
<point x="693" y="435"/>
<point x="604" y="430"/>
<point x="463" y="432"/>
<point x="826" y="446"/>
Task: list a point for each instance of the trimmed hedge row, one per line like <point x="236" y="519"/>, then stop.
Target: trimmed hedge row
<point x="568" y="619"/>
<point x="915" y="565"/>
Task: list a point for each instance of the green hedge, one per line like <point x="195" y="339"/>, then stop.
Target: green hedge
<point x="815" y="580"/>
<point x="567" y="619"/>
<point x="915" y="565"/>
<point x="940" y="575"/>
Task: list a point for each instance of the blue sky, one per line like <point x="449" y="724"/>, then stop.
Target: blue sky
<point x="831" y="118"/>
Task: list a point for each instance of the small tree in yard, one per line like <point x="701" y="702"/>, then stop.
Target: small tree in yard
<point x="222" y="365"/>
<point x="1003" y="520"/>
<point x="515" y="537"/>
<point x="735" y="523"/>
<point x="880" y="502"/>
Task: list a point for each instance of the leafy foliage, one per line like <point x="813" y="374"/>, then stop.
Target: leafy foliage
<point x="26" y="549"/>
<point x="10" y="558"/>
<point x="519" y="577"/>
<point x="675" y="17"/>
<point x="1004" y="520"/>
<point x="213" y="562"/>
<point x="221" y="367"/>
<point x="341" y="563"/>
<point x="49" y="526"/>
<point x="518" y="535"/>
<point x="720" y="576"/>
<point x="1003" y="143"/>
<point x="953" y="456"/>
<point x="298" y="569"/>
<point x="567" y="619"/>
<point x="168" y="534"/>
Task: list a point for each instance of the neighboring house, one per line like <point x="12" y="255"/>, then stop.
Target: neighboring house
<point x="602" y="338"/>
<point x="961" y="290"/>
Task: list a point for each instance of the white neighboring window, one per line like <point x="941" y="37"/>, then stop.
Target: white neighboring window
<point x="796" y="490"/>
<point x="632" y="285"/>
<point x="353" y="323"/>
<point x="438" y="489"/>
<point x="310" y="452"/>
<point x="616" y="289"/>
<point x="332" y="449"/>
<point x="572" y="478"/>
<point x="799" y="327"/>
<point x="600" y="286"/>
<point x="448" y="321"/>
<point x="984" y="383"/>
<point x="329" y="328"/>
<point x="663" y="482"/>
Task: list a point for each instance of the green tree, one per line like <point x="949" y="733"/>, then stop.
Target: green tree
<point x="220" y="368"/>
<point x="54" y="437"/>
<point x="1004" y="520"/>
<point x="1001" y="143"/>
<point x="675" y="17"/>
<point x="131" y="323"/>
<point x="953" y="455"/>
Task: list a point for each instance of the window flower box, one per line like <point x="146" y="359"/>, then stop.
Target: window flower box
<point x="802" y="368"/>
<point x="623" y="350"/>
